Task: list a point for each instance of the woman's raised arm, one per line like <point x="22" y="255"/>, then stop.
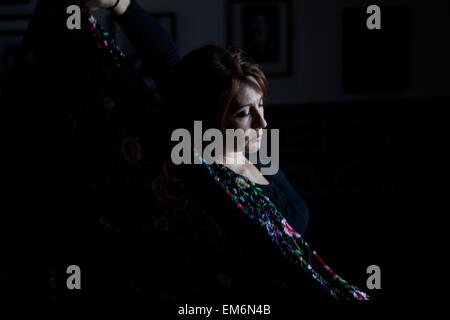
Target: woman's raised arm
<point x="151" y="42"/>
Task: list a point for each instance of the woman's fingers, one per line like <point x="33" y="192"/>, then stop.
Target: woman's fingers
<point x="93" y="5"/>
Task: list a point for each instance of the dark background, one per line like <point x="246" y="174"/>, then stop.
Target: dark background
<point x="362" y="124"/>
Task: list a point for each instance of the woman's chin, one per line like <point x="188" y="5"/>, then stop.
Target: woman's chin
<point x="254" y="147"/>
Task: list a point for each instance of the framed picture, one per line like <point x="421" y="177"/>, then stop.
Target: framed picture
<point x="263" y="28"/>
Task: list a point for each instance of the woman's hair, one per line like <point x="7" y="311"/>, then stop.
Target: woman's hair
<point x="206" y="82"/>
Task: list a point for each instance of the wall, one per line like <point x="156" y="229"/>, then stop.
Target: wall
<point x="317" y="46"/>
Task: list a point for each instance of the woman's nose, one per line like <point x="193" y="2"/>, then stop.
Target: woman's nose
<point x="259" y="121"/>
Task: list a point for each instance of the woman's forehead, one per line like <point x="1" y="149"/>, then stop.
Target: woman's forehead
<point x="249" y="92"/>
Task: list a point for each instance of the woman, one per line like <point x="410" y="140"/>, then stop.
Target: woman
<point x="226" y="90"/>
<point x="218" y="231"/>
<point x="209" y="72"/>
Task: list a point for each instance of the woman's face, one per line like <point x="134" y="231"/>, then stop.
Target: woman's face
<point x="247" y="113"/>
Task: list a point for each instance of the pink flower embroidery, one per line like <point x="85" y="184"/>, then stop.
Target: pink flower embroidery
<point x="320" y="266"/>
<point x="360" y="295"/>
<point x="169" y="173"/>
<point x="288" y="229"/>
<point x="131" y="150"/>
<point x="92" y="22"/>
<point x="166" y="188"/>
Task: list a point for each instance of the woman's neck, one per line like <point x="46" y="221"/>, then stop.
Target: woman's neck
<point x="232" y="158"/>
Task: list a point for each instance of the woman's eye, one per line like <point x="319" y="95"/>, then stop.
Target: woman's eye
<point x="246" y="114"/>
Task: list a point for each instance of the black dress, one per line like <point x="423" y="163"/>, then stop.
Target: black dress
<point x="287" y="199"/>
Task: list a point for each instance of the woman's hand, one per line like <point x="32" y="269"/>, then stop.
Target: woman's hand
<point x="93" y="5"/>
